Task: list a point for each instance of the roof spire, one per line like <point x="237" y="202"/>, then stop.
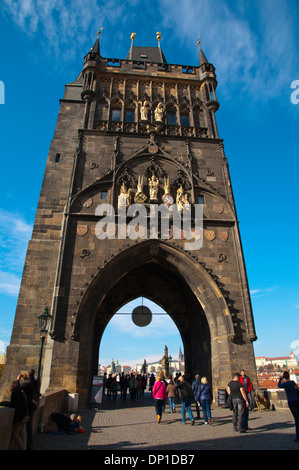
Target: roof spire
<point x="202" y="57"/>
<point x="96" y="46"/>
<point x="130" y="54"/>
<point x="158" y="37"/>
<point x="132" y="38"/>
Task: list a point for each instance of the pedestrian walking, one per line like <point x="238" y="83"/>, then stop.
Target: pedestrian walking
<point x="204" y="397"/>
<point x="239" y="401"/>
<point x="292" y="393"/>
<point x="171" y="395"/>
<point x="185" y="395"/>
<point x="195" y="385"/>
<point x="124" y="384"/>
<point x="133" y="387"/>
<point x="245" y="380"/>
<point x="160" y="395"/>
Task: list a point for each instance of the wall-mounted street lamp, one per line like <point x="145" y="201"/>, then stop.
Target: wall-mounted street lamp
<point x="44" y="320"/>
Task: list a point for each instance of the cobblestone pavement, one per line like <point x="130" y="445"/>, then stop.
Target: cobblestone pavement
<point x="128" y="426"/>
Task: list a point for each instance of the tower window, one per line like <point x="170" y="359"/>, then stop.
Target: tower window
<point x="185" y="121"/>
<point x="171" y="118"/>
<point x="116" y="115"/>
<point x="104" y="195"/>
<point x="57" y="157"/>
<point x="130" y="115"/>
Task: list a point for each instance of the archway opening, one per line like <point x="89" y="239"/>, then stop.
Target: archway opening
<point x="136" y="337"/>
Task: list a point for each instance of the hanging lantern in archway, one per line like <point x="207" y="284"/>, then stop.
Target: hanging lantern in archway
<point x="141" y="316"/>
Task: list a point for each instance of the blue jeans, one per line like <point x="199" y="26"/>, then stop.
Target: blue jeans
<point x="206" y="409"/>
<point x="186" y="403"/>
<point x="171" y="403"/>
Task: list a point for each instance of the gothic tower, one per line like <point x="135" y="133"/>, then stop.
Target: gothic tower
<point x="134" y="130"/>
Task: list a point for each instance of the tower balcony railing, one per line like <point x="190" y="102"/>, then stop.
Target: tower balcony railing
<point x="140" y="127"/>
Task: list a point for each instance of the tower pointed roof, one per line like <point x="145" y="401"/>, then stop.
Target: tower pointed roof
<point x="202" y="57"/>
<point x="96" y="47"/>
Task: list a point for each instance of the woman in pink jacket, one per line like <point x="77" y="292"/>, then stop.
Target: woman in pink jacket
<point x="160" y="395"/>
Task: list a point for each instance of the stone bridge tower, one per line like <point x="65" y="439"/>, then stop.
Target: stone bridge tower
<point x="124" y="126"/>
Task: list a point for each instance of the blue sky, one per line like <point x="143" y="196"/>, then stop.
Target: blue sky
<point x="253" y="45"/>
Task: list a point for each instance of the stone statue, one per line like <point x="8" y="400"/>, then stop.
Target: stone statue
<point x="186" y="201"/>
<point x="159" y="112"/>
<point x="165" y="362"/>
<point x="144" y="367"/>
<point x="144" y="111"/>
<point x="153" y="184"/>
<point x="180" y="198"/>
<point x="124" y="199"/>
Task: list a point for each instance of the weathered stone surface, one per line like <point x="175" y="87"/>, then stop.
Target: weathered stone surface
<point x="85" y="280"/>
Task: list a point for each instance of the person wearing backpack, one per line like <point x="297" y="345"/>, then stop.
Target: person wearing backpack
<point x="185" y="395"/>
<point x="195" y="385"/>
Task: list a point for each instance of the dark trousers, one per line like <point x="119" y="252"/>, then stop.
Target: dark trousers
<point x="238" y="412"/>
<point x="294" y="408"/>
<point x="159" y="406"/>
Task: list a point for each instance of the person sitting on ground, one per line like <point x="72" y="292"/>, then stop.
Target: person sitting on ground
<point x="60" y="423"/>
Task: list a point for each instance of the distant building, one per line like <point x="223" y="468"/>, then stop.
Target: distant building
<point x="175" y="365"/>
<point x="288" y="362"/>
<point x="269" y="369"/>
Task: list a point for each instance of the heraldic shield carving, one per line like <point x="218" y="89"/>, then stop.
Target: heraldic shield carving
<point x="210" y="235"/>
<point x="219" y="208"/>
<point x="223" y="236"/>
<point x="82" y="230"/>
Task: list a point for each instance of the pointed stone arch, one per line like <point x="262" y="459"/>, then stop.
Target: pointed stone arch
<point x="171" y="277"/>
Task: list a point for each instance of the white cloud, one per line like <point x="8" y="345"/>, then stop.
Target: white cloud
<point x="2" y="347"/>
<point x="160" y="324"/>
<point x="14" y="236"/>
<point x="63" y="26"/>
<point x="295" y="347"/>
<point x="9" y="283"/>
<point x="263" y="291"/>
<point x="252" y="45"/>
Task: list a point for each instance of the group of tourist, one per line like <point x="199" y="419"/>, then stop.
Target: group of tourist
<point x="240" y="397"/>
<point x="241" y="401"/>
<point x="185" y="390"/>
<point x="182" y="388"/>
<point x="132" y="382"/>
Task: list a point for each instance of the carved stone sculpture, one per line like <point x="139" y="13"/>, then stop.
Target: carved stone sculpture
<point x="159" y="112"/>
<point x="153" y="184"/>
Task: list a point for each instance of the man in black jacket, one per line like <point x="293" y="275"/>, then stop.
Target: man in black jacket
<point x="185" y="395"/>
<point x="239" y="398"/>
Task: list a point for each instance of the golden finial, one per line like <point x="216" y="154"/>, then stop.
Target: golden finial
<point x="99" y="32"/>
<point x="133" y="36"/>
<point x="198" y="41"/>
<point x="158" y="36"/>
